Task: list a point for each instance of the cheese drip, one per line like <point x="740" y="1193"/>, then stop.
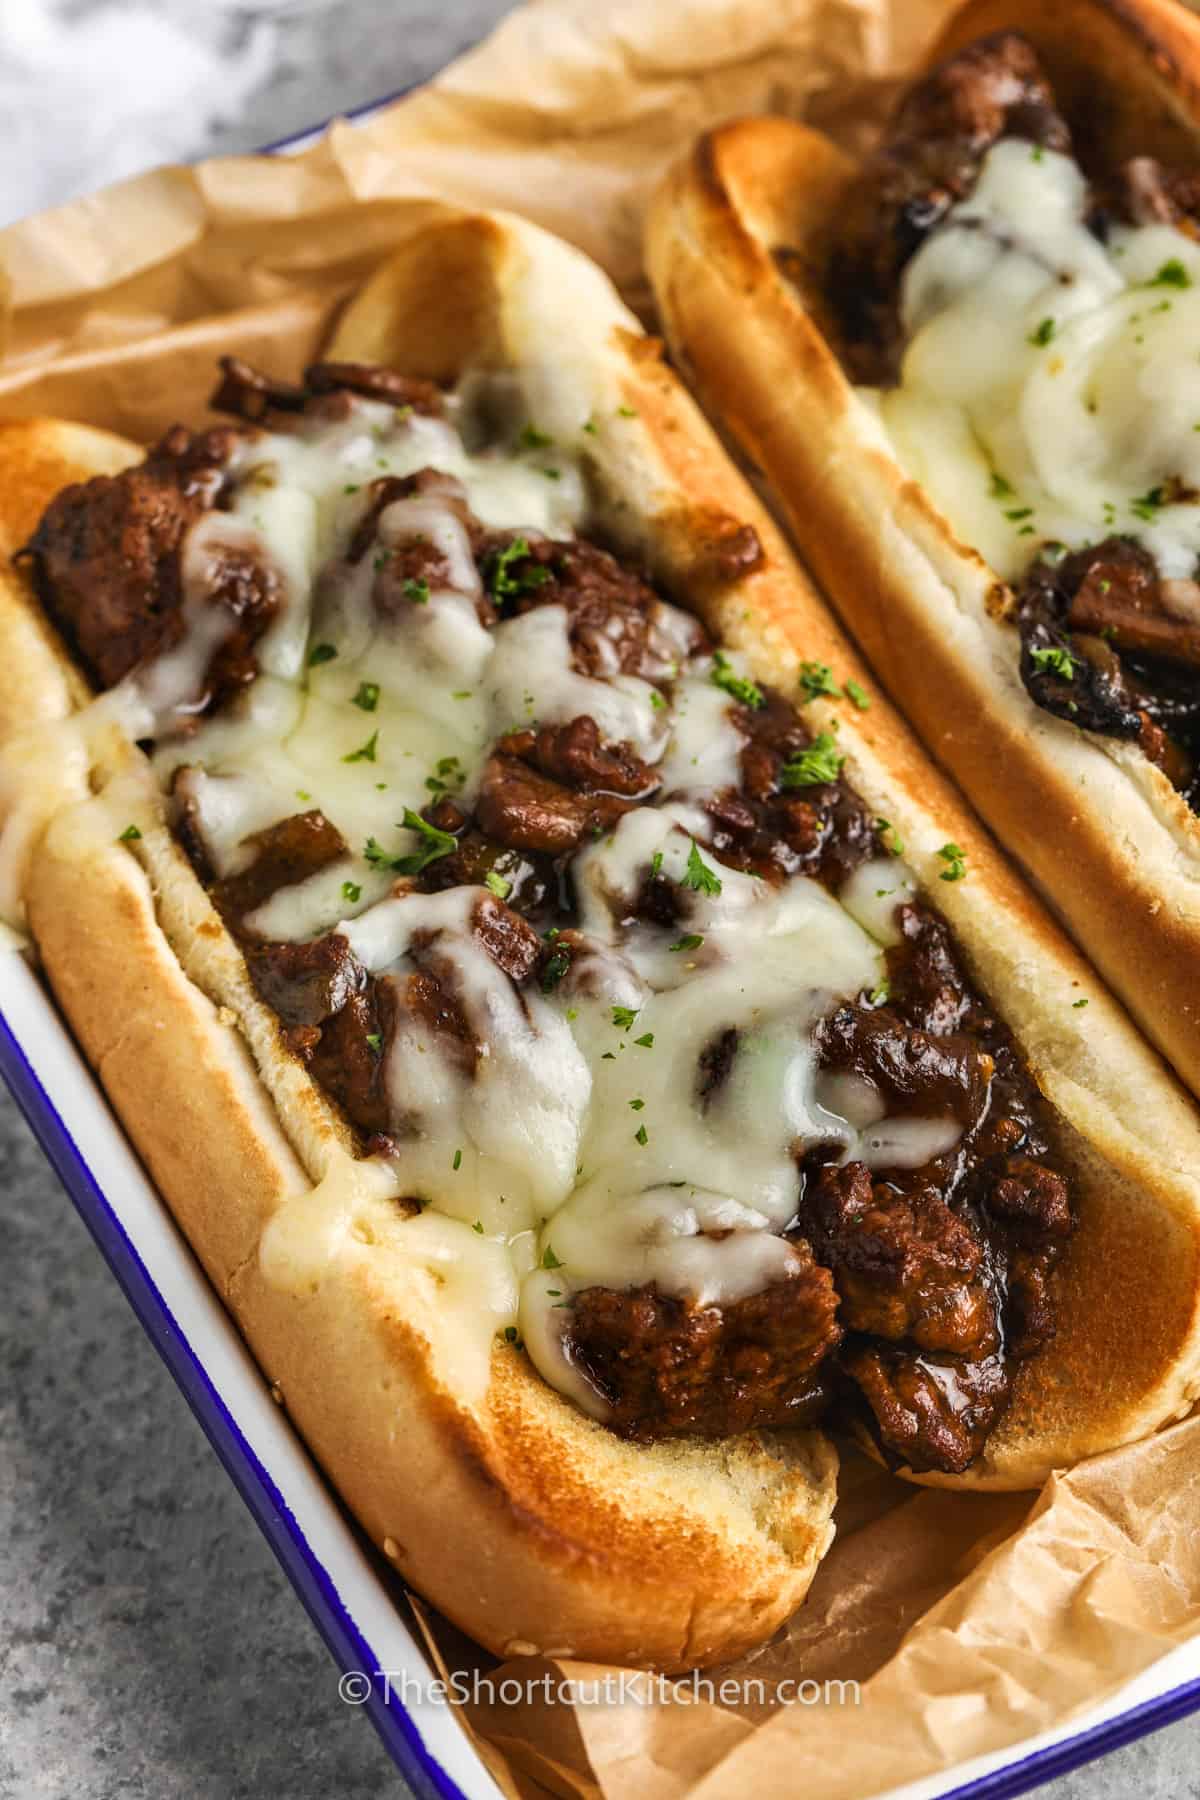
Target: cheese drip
<point x="1050" y="390"/>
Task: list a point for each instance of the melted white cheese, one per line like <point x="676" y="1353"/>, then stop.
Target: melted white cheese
<point x="1051" y="383"/>
<point x="642" y="1121"/>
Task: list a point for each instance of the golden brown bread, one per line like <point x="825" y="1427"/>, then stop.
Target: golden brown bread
<point x="738" y="242"/>
<point x="531" y="1526"/>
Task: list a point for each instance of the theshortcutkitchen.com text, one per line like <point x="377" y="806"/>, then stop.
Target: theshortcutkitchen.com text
<point x="617" y="1687"/>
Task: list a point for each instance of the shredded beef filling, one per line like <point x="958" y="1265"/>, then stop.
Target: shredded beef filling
<point x="910" y="1295"/>
<point x="1105" y="643"/>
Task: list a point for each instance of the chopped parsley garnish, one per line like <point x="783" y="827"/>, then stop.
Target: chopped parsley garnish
<point x="657" y="701"/>
<point x="365" y="752"/>
<point x="321" y="653"/>
<point x="1043" y="334"/>
<point x="457" y="1163"/>
<point x="956" y="860"/>
<point x="698" y="875"/>
<point x="821" y="762"/>
<point x="367" y="697"/>
<point x="637" y="1105"/>
<point x="497" y="885"/>
<point x="1076" y="1004"/>
<point x="641" y="1135"/>
<point x="556" y="967"/>
<point x="448" y="776"/>
<point x="351" y="487"/>
<point x="623" y="1016"/>
<point x="478" y="1226"/>
<point x="435" y="844"/>
<point x="381" y="557"/>
<point x="375" y="1040"/>
<point x="878" y="995"/>
<point x="656" y="862"/>
<point x="723" y="676"/>
<point x="416" y="589"/>
<point x="1054" y="661"/>
<point x="351" y="891"/>
<point x="591" y="427"/>
<point x="646" y="1041"/>
<point x="858" y="694"/>
<point x="130" y="835"/>
<point x="533" y="439"/>
<point x="627" y="412"/>
<point x="505" y="581"/>
<point x="817" y="678"/>
<point x="1019" y="512"/>
<point x="692" y="941"/>
<point x="999" y="488"/>
<point x="551" y="474"/>
<point x="896" y="847"/>
<point x="1172" y="274"/>
<point x="549" y="1260"/>
<point x="1147" y="504"/>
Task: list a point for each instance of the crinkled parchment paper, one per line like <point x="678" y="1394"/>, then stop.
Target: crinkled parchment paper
<point x="968" y="1621"/>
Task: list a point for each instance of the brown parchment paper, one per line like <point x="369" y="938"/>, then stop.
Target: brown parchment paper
<point x="969" y="1622"/>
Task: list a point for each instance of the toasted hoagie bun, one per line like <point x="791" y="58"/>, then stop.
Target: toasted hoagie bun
<point x="743" y="244"/>
<point x="535" y="1527"/>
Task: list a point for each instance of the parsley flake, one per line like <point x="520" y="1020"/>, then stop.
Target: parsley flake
<point x="375" y="1041"/>
<point x="641" y="1136"/>
<point x="434" y="845"/>
<point x="549" y="1260"/>
<point x="130" y="835"/>
<point x="821" y="762"/>
<point x="1043" y="334"/>
<point x="956" y="860"/>
<point x="321" y="653"/>
<point x="748" y="693"/>
<point x="817" y="678"/>
<point x="1054" y="661"/>
<point x="367" y="697"/>
<point x="858" y="694"/>
<point x="533" y="439"/>
<point x="556" y="967"/>
<point x="692" y="941"/>
<point x="457" y="1163"/>
<point x="646" y="1041"/>
<point x="365" y="752"/>
<point x="497" y="885"/>
<point x="351" y="891"/>
<point x="637" y="1105"/>
<point x="505" y="581"/>
<point x="623" y="1016"/>
<point x="896" y="847"/>
<point x="698" y="875"/>
<point x="1076" y="1004"/>
<point x="1171" y="274"/>
<point x="416" y="589"/>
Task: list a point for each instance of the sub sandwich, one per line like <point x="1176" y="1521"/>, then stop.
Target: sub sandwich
<point x="592" y="1051"/>
<point x="970" y="366"/>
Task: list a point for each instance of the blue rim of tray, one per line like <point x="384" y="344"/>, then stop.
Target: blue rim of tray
<point x="301" y="1564"/>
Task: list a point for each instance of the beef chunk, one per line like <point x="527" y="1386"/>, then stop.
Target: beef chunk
<point x="1032" y="1198"/>
<point x="616" y="622"/>
<point x="916" y="1071"/>
<point x="930" y="158"/>
<point x="107" y="561"/>
<point x="1125" y="662"/>
<point x="376" y="383"/>
<point x="306" y="983"/>
<point x="667" y="1367"/>
<point x="929" y="986"/>
<point x="773" y="830"/>
<point x="546" y="791"/>
<point x="284" y="854"/>
<point x="348" y="1055"/>
<point x="905" y="1265"/>
<point x="513" y="945"/>
<point x="931" y="1415"/>
<point x="248" y="394"/>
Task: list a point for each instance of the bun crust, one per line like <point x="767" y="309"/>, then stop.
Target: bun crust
<point x="737" y="245"/>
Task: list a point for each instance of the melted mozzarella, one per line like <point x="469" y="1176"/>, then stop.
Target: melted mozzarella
<point x="641" y="1122"/>
<point x="1051" y="383"/>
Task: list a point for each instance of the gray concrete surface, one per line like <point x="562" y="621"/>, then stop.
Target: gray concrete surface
<point x="150" y="1648"/>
